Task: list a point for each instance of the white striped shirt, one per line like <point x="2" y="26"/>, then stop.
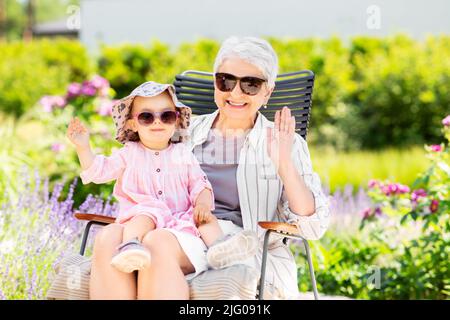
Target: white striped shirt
<point x="262" y="196"/>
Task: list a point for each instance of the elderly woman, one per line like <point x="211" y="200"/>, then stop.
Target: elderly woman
<point x="259" y="170"/>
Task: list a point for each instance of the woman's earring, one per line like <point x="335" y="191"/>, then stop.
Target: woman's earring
<point x="265" y="106"/>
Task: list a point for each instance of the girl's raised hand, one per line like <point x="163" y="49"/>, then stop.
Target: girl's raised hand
<point x="77" y="133"/>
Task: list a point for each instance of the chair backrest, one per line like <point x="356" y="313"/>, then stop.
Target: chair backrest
<point x="196" y="90"/>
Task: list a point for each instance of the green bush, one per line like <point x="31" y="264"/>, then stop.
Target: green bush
<point x="31" y="70"/>
<point x="402" y="248"/>
<point x="369" y="92"/>
<point x="127" y="66"/>
<point x="401" y="91"/>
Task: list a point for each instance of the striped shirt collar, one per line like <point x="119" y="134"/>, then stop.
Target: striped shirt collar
<point x="257" y="132"/>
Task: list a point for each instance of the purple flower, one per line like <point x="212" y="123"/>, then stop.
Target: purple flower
<point x="434" y="205"/>
<point x="436" y="148"/>
<point x="446" y="121"/>
<point x="74" y="90"/>
<point x="378" y="211"/>
<point x="366" y="213"/>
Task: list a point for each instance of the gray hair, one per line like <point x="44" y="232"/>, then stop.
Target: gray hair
<point x="256" y="51"/>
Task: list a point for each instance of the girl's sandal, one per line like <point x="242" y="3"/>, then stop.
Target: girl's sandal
<point x="131" y="256"/>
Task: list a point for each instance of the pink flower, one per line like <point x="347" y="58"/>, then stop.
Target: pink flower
<point x="370" y="213"/>
<point x="436" y="148"/>
<point x="446" y="121"/>
<point x="46" y="103"/>
<point x="105" y="108"/>
<point x="50" y="102"/>
<point x="434" y="205"/>
<point x="403" y="189"/>
<point x="392" y="188"/>
<point x="373" y="183"/>
<point x="99" y="82"/>
<point x="419" y="193"/>
<point x="57" y="147"/>
<point x="88" y="89"/>
<point x="386" y="189"/>
<point x="74" y="90"/>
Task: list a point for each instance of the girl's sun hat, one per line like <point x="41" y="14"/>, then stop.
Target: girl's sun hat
<point x="121" y="112"/>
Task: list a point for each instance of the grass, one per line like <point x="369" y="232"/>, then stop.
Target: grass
<point x="358" y="167"/>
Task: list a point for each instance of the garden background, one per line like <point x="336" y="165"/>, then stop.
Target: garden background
<point x="378" y="138"/>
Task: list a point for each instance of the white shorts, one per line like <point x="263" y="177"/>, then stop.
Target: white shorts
<point x="195" y="249"/>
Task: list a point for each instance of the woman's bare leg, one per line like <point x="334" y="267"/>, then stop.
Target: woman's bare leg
<point x="106" y="282"/>
<point x="164" y="278"/>
<point x="138" y="227"/>
<point x="210" y="231"/>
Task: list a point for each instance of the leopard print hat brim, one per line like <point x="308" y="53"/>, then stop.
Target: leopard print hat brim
<point x="121" y="111"/>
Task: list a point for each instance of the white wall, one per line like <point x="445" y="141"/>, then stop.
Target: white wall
<point x="175" y="21"/>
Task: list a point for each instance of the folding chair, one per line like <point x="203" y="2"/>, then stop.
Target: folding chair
<point x="196" y="90"/>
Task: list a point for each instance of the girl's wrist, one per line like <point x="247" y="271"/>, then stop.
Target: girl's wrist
<point x="83" y="147"/>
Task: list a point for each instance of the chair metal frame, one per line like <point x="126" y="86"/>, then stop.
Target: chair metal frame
<point x="295" y="93"/>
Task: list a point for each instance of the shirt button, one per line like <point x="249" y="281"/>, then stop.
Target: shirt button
<point x="158" y="170"/>
<point x="160" y="192"/>
<point x="156" y="153"/>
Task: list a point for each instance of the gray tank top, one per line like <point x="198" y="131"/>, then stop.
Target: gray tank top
<point x="219" y="157"/>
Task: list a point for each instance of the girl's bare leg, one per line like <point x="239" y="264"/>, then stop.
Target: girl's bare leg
<point x="210" y="231"/>
<point x="106" y="282"/>
<point x="138" y="227"/>
<point x="164" y="278"/>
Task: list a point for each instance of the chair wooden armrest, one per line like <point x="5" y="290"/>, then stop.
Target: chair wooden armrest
<point x="94" y="217"/>
<point x="282" y="227"/>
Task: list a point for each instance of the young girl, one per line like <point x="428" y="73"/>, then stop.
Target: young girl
<point x="159" y="182"/>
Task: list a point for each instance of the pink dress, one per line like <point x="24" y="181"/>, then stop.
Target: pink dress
<point x="162" y="185"/>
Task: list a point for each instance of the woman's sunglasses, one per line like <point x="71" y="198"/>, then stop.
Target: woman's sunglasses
<point x="146" y="118"/>
<point x="226" y="82"/>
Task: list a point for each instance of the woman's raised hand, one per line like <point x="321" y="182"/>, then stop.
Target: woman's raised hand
<point x="281" y="138"/>
<point x="77" y="133"/>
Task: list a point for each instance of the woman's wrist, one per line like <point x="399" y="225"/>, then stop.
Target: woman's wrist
<point x="286" y="168"/>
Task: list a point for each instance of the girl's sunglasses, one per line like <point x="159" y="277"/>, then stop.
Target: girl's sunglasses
<point x="226" y="82"/>
<point x="146" y="118"/>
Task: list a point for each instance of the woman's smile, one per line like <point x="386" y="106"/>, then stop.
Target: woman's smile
<point x="236" y="104"/>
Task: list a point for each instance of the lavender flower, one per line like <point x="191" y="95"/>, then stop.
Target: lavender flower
<point x="42" y="229"/>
